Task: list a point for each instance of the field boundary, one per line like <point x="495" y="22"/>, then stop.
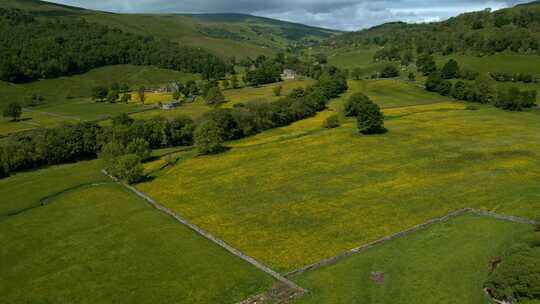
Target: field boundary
<point x="210" y="237"/>
<point x="332" y="260"/>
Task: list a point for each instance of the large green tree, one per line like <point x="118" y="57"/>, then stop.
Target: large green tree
<point x="370" y="119"/>
<point x="13" y="110"/>
<point x="209" y="137"/>
<point x="450" y="70"/>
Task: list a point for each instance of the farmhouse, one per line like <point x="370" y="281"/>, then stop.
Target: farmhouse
<point x="170" y="105"/>
<point x="288" y="74"/>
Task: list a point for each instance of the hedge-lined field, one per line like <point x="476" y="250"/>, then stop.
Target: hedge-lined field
<point x="102" y="244"/>
<point x="448" y="263"/>
<point x="295" y="195"/>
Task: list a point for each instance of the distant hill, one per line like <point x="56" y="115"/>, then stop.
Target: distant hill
<point x="225" y="35"/>
<point x="515" y="29"/>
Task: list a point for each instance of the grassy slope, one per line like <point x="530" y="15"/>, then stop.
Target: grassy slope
<point x="445" y="264"/>
<point x="101" y="244"/>
<point x="297" y="189"/>
<point x="223" y="34"/>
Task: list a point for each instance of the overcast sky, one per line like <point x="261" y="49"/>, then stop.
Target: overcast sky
<point x="338" y="14"/>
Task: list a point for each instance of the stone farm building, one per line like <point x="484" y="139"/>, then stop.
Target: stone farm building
<point x="288" y="74"/>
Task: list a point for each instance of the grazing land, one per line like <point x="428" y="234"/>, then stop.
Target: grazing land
<point x="297" y="189"/>
<point x="445" y="264"/>
<point x="100" y="240"/>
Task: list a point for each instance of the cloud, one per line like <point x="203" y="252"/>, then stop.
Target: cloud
<point x="339" y="14"/>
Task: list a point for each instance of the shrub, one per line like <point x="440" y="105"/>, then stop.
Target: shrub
<point x="370" y="119"/>
<point x="215" y="96"/>
<point x="209" y="137"/>
<point x="433" y="82"/>
<point x="277" y="90"/>
<point x="354" y="103"/>
<point x="331" y="122"/>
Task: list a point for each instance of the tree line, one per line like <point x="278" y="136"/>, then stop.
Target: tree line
<point x="32" y="49"/>
<point x="480" y="90"/>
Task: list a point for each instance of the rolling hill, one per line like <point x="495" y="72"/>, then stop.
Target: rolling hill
<point x="221" y="34"/>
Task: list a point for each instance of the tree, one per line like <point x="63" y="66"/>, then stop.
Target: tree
<point x="331" y="122"/>
<point x="390" y="71"/>
<point x="35" y="100"/>
<point x="226" y="84"/>
<point x="234" y="82"/>
<point x="450" y="70"/>
<point x="122" y="120"/>
<point x="215" y="96"/>
<point x="354" y="103"/>
<point x="139" y="147"/>
<point x="13" y="110"/>
<point x="176" y="95"/>
<point x="128" y="168"/>
<point x="426" y="64"/>
<point x="112" y="96"/>
<point x="370" y="119"/>
<point x="412" y="76"/>
<point x="126" y="98"/>
<point x="356" y="73"/>
<point x="141" y="94"/>
<point x="277" y="90"/>
<point x="99" y="93"/>
<point x="208" y="138"/>
<point x="513" y="99"/>
<point x="433" y="82"/>
<point x="459" y="90"/>
<point x="110" y="151"/>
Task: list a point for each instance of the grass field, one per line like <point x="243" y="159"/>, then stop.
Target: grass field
<point x="297" y="189"/>
<point x="263" y="93"/>
<point x="504" y="62"/>
<point x="99" y="243"/>
<point x="447" y="263"/>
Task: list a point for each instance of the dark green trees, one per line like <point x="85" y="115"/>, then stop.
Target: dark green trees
<point x="513" y="99"/>
<point x="209" y="137"/>
<point x="214" y="96"/>
<point x="370" y="119"/>
<point x="99" y="93"/>
<point x="390" y="71"/>
<point x="354" y="103"/>
<point x="426" y="64"/>
<point x="13" y="110"/>
<point x="450" y="70"/>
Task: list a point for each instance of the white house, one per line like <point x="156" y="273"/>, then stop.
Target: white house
<point x="288" y="74"/>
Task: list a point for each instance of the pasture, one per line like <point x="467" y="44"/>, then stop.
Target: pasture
<point x="99" y="243"/>
<point x="446" y="263"/>
<point x="308" y="193"/>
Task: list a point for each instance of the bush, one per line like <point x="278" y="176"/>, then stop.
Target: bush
<point x="215" y="96"/>
<point x="390" y="71"/>
<point x="370" y="119"/>
<point x="277" y="90"/>
<point x="331" y="122"/>
<point x="128" y="168"/>
<point x="433" y="82"/>
<point x="354" y="103"/>
<point x="209" y="138"/>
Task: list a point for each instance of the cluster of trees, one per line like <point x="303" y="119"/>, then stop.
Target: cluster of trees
<point x="33" y="49"/>
<point x="370" y="119"/>
<point x="512" y="99"/>
<point x="515" y="277"/>
<point x="85" y="140"/>
<point x="516" y="77"/>
<point x="479" y="33"/>
<point x="13" y="110"/>
<point x="112" y="94"/>
<point x="251" y="118"/>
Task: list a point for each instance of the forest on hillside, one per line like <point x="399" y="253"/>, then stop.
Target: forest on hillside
<point x="32" y="48"/>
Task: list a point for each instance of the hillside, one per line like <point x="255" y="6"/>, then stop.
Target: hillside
<point x="223" y="34"/>
<point x="485" y="32"/>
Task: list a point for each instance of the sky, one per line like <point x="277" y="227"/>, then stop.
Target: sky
<point x="337" y="14"/>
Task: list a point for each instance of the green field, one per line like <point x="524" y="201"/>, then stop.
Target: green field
<point x="298" y="189"/>
<point x="447" y="263"/>
<point x="101" y="244"/>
